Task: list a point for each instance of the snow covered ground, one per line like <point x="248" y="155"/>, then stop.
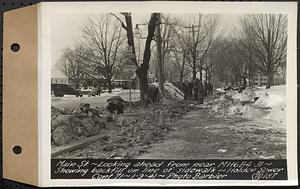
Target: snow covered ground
<point x="269" y="107"/>
<point x="275" y="99"/>
<point x="171" y="90"/>
<point x="70" y="101"/>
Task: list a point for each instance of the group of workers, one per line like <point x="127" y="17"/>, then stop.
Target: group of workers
<point x="197" y="90"/>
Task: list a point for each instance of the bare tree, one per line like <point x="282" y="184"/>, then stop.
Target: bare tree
<point x="142" y="69"/>
<point x="243" y="52"/>
<point x="200" y="41"/>
<point x="268" y="36"/>
<point x="167" y="36"/>
<point x="226" y="66"/>
<point x="103" y="47"/>
<point x="178" y="56"/>
<point x="72" y="64"/>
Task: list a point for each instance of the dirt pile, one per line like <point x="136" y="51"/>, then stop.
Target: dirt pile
<point x="68" y="125"/>
<point x="133" y="132"/>
<point x="140" y="127"/>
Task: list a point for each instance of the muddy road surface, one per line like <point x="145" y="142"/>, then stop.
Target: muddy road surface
<point x="199" y="135"/>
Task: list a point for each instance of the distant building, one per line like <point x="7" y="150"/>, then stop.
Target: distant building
<point x="58" y="78"/>
<point x="261" y="79"/>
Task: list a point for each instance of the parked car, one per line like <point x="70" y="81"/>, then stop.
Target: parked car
<point x="91" y="91"/>
<point x="60" y="90"/>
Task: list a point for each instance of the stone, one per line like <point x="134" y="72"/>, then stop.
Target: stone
<point x="60" y="120"/>
<point x="109" y="147"/>
<point x="62" y="135"/>
<point x="86" y="124"/>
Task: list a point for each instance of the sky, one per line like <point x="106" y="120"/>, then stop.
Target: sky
<point x="66" y="30"/>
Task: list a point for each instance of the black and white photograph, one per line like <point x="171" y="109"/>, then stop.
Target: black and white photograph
<point x="199" y="95"/>
<point x="151" y="93"/>
<point x="169" y="86"/>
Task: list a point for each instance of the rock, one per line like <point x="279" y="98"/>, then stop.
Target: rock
<point x="118" y="139"/>
<point x="109" y="118"/>
<point x="62" y="135"/>
<point x="104" y="138"/>
<point x="91" y="121"/>
<point x="109" y="147"/>
<point x="55" y="111"/>
<point x="100" y="123"/>
<point x="86" y="124"/>
<point x="121" y="121"/>
<point x="60" y="120"/>
<point x="138" y="138"/>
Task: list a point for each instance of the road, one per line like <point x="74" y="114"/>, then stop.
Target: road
<point x="70" y="101"/>
<point x="199" y="135"/>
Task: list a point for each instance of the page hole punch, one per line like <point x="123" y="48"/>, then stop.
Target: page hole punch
<point x="17" y="150"/>
<point x="15" y="47"/>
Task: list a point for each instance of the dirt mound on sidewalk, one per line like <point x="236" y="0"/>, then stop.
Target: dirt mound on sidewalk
<point x="135" y="131"/>
<point x="69" y="125"/>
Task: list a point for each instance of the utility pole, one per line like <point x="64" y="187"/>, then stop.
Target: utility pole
<point x="194" y="50"/>
<point x="159" y="56"/>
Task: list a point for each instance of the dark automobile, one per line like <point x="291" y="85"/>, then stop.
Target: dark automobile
<point x="60" y="90"/>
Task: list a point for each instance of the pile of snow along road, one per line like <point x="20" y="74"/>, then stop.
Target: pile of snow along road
<point x="252" y="102"/>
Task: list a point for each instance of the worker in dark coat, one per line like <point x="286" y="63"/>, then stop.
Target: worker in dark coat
<point x="115" y="106"/>
<point x="153" y="91"/>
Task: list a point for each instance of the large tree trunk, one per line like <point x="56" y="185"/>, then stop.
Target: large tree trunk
<point x="181" y="72"/>
<point x="194" y="75"/>
<point x="181" y="76"/>
<point x="109" y="84"/>
<point x="143" y="79"/>
<point x="142" y="70"/>
<point x="159" y="57"/>
<point x="269" y="80"/>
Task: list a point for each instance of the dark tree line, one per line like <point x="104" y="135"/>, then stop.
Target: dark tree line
<point x="191" y="47"/>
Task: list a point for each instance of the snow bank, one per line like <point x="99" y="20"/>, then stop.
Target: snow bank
<point x="271" y="97"/>
<point x="174" y="91"/>
<point x="171" y="91"/>
<point x="220" y="90"/>
<point x="247" y="95"/>
<point x="270" y="106"/>
<point x="270" y="100"/>
<point x="275" y="100"/>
